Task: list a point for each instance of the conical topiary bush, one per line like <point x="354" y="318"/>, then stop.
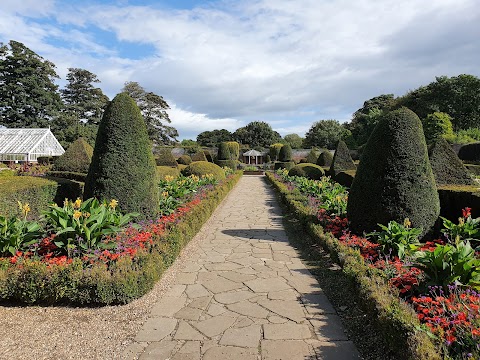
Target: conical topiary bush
<point x="285" y="154"/>
<point x="394" y="180"/>
<point x="166" y="158"/>
<point x="342" y="161"/>
<point x="325" y="158"/>
<point x="312" y="156"/>
<point x="447" y="167"/>
<point x="123" y="167"/>
<point x="77" y="157"/>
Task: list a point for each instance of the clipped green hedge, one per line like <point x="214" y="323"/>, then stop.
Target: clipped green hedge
<point x="35" y="283"/>
<point x="163" y="171"/>
<point x="76" y="158"/>
<point x="307" y="170"/>
<point x="67" y="175"/>
<point x="232" y="164"/>
<point x="184" y="160"/>
<point x="453" y="198"/>
<point x="200" y="168"/>
<point x="345" y="178"/>
<point x="166" y="158"/>
<point x="283" y="165"/>
<point x="395" y="320"/>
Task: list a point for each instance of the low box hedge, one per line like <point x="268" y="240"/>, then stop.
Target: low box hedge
<point x="394" y="319"/>
<point x="454" y="198"/>
<point x="35" y="282"/>
<point x="76" y="176"/>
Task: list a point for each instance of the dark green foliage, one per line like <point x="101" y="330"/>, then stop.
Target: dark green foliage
<point x="285" y="153"/>
<point x="310" y="171"/>
<point x="268" y="159"/>
<point x="67" y="175"/>
<point x="166" y="158"/>
<point x="447" y="167"/>
<point x="394" y="180"/>
<point x="325" y="158"/>
<point x="470" y="153"/>
<point x="232" y="164"/>
<point x="454" y="198"/>
<point x="200" y="168"/>
<point x="28" y="94"/>
<point x="473" y="169"/>
<point x="294" y="140"/>
<point x="223" y="151"/>
<point x="214" y="137"/>
<point x="199" y="156"/>
<point x="345" y="178"/>
<point x="256" y="133"/>
<point x="123" y="167"/>
<point x="77" y="158"/>
<point x="284" y="165"/>
<point x="437" y="125"/>
<point x="312" y="156"/>
<point x="275" y="151"/>
<point x="184" y="160"/>
<point x="326" y="133"/>
<point x="208" y="156"/>
<point x="342" y="160"/>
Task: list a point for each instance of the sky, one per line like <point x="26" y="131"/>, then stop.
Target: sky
<point x="222" y="64"/>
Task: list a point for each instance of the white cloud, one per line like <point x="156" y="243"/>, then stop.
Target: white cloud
<point x="298" y="61"/>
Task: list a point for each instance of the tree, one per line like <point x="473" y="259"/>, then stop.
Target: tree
<point x="394" y="179"/>
<point x="214" y="137"/>
<point x="366" y="118"/>
<point x="28" y="94"/>
<point x="256" y="133"/>
<point x="82" y="99"/>
<point x="294" y="140"/>
<point x="437" y="125"/>
<point x="123" y="167"/>
<point x="188" y="142"/>
<point x="458" y="96"/>
<point x="153" y="108"/>
<point x="325" y="134"/>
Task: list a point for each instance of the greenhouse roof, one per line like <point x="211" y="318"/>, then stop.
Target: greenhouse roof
<point x="29" y="141"/>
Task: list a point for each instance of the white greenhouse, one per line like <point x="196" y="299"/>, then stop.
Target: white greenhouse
<point x="28" y="144"/>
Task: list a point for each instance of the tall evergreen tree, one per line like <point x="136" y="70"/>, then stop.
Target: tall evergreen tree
<point x="153" y="108"/>
<point x="28" y="95"/>
<point x="82" y="99"/>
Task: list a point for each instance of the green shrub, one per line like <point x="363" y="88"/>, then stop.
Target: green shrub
<point x="345" y="178"/>
<point x="342" y="160"/>
<point x="166" y="158"/>
<point x="437" y="125"/>
<point x="274" y="151"/>
<point x="285" y="153"/>
<point x="184" y="160"/>
<point x="283" y="165"/>
<point x="199" y="156"/>
<point x="233" y="150"/>
<point x="454" y="198"/>
<point x="312" y="156"/>
<point x="163" y="171"/>
<point x="447" y="167"/>
<point x="309" y="171"/>
<point x="123" y="167"/>
<point x="76" y="176"/>
<point x="232" y="164"/>
<point x="77" y="158"/>
<point x="268" y="159"/>
<point x="200" y="168"/>
<point x="208" y="156"/>
<point x="223" y="151"/>
<point x="470" y="153"/>
<point x="473" y="169"/>
<point x="7" y="173"/>
<point x="325" y="158"/>
<point x="394" y="180"/>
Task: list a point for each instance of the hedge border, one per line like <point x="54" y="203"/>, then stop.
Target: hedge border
<point x="35" y="283"/>
<point x="395" y="320"/>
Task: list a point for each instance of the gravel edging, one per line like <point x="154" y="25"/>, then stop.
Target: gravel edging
<point x="36" y="332"/>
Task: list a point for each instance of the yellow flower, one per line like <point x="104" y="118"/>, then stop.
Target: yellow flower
<point x="407" y="223"/>
<point x="65" y="202"/>
<point x="77" y="203"/>
<point x="86" y="215"/>
<point x="113" y="203"/>
<point x="461" y="221"/>
<point x="77" y="214"/>
<point x="165" y="194"/>
<point x="169" y="178"/>
<point x="20" y="206"/>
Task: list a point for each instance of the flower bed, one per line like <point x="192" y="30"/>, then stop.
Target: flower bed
<point x="392" y="272"/>
<point x="78" y="262"/>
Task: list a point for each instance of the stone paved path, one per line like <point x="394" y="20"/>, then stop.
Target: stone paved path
<point x="244" y="294"/>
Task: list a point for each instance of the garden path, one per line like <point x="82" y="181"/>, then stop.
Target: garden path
<point x="243" y="294"/>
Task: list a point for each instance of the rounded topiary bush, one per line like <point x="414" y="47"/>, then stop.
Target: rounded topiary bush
<point x="310" y="171"/>
<point x="123" y="167"/>
<point x="184" y="160"/>
<point x="342" y="161"/>
<point x="163" y="171"/>
<point x="232" y="164"/>
<point x="77" y="157"/>
<point x="274" y="151"/>
<point x="233" y="150"/>
<point x="285" y="154"/>
<point x="447" y="167"/>
<point x="166" y="158"/>
<point x="200" y="168"/>
<point x="283" y="165"/>
<point x="199" y="156"/>
<point x="325" y="158"/>
<point x="312" y="156"/>
<point x="470" y="153"/>
<point x="394" y="180"/>
<point x="223" y="151"/>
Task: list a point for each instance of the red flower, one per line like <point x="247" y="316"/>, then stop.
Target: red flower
<point x="466" y="212"/>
